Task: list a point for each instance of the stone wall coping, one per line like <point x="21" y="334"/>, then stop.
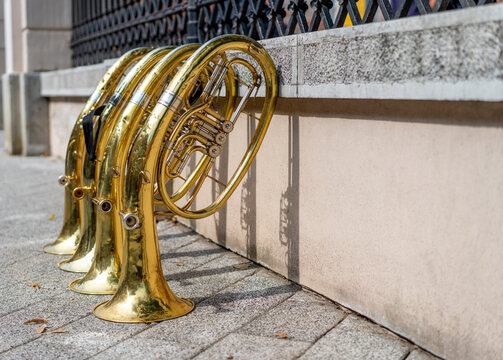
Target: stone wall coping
<point x="453" y="56"/>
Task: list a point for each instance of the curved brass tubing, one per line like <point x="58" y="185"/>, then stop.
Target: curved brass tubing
<point x="129" y="301"/>
<point x="67" y="241"/>
<point x="142" y="294"/>
<point x="219" y="46"/>
<point x="102" y="274"/>
<point x="82" y="259"/>
<point x="109" y="225"/>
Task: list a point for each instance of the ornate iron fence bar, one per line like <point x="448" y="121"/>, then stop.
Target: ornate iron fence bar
<point x="107" y="28"/>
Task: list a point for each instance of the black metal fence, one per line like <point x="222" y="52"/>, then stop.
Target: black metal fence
<point x="105" y="29"/>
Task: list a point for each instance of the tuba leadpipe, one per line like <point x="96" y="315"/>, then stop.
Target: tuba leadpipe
<point x="68" y="239"/>
<point x="82" y="259"/>
<point x="142" y="294"/>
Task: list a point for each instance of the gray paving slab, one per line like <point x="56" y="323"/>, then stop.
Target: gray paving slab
<point x="303" y="317"/>
<point x="12" y="253"/>
<point x="81" y="339"/>
<point x="213" y="318"/>
<point x="40" y="264"/>
<point x="356" y="338"/>
<point x="204" y="281"/>
<point x="173" y="235"/>
<point x="190" y="256"/>
<point x="248" y="347"/>
<point x="20" y="296"/>
<point x="58" y="311"/>
<point x="418" y="354"/>
<point x="51" y="280"/>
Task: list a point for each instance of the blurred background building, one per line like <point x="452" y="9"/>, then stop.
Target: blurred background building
<point x="379" y="184"/>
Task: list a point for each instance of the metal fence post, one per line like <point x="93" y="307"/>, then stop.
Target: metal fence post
<point x="192" y="36"/>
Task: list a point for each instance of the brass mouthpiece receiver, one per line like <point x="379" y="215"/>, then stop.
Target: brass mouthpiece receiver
<point x="63" y="180"/>
<point x="80" y="191"/>
<point x="130" y="221"/>
<point x="105" y="206"/>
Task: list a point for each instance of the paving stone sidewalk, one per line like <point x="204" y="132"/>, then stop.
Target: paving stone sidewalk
<point x="241" y="313"/>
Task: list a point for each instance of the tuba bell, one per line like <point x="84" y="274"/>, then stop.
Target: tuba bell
<point x="188" y="122"/>
<point x="68" y="239"/>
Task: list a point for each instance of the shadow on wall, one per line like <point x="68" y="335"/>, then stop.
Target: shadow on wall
<point x="249" y="202"/>
<point x="289" y="203"/>
<point x="220" y="217"/>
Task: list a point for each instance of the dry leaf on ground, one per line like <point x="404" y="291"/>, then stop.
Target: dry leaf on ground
<point x="36" y="321"/>
<point x="281" y="335"/>
<point x="35" y="285"/>
<point x="243" y="266"/>
<point x="56" y="332"/>
<point x="41" y="329"/>
<point x="71" y="299"/>
<point x="52" y="216"/>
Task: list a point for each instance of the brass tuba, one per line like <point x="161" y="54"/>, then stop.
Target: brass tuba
<point x="103" y="276"/>
<point x="69" y="236"/>
<point x="83" y="257"/>
<point x="182" y="126"/>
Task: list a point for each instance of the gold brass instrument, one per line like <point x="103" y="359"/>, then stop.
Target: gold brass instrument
<point x="82" y="259"/>
<point x="182" y="126"/>
<point x="69" y="236"/>
<point x="103" y="276"/>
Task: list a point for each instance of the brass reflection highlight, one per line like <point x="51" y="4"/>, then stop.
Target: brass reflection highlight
<point x="82" y="259"/>
<point x="68" y="239"/>
<point x="183" y="123"/>
<point x="156" y="71"/>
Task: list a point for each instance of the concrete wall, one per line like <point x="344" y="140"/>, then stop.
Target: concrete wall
<point x="391" y="208"/>
<point x="2" y="39"/>
<point x="2" y="57"/>
<point x="63" y="113"/>
<point x="379" y="181"/>
<point x="13" y="36"/>
<point x="37" y="38"/>
<point x="46" y="34"/>
<point x="37" y="35"/>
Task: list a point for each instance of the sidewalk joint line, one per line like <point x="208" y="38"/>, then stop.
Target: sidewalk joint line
<point x="246" y="323"/>
<point x="322" y="335"/>
<point x="38" y="336"/>
<point x="153" y="325"/>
